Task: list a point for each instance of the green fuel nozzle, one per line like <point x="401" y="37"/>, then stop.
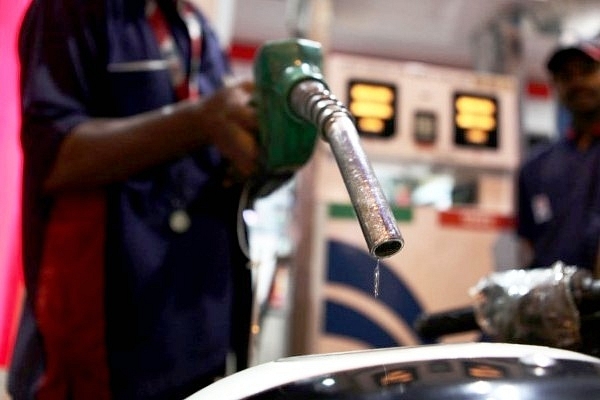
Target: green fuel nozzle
<point x="295" y="106"/>
<point x="287" y="140"/>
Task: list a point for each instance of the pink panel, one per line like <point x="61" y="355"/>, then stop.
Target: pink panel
<point x="10" y="175"/>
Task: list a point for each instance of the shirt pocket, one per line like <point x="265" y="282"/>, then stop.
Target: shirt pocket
<point x="139" y="86"/>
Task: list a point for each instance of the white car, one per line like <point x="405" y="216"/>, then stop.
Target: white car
<point x="482" y="371"/>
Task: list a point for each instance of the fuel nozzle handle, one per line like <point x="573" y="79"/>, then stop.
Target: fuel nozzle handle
<point x="294" y="105"/>
<point x="582" y="287"/>
<point x="586" y="292"/>
<point x="312" y="100"/>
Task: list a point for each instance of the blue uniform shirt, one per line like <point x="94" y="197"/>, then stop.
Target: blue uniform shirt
<point x="559" y="204"/>
<point x="169" y="296"/>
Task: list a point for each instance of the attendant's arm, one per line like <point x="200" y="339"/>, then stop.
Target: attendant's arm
<point x="101" y="151"/>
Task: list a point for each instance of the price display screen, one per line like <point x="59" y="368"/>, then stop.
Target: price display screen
<point x="373" y="106"/>
<point x="475" y="121"/>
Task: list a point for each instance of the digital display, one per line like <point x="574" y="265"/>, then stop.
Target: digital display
<point x="373" y="106"/>
<point x="475" y="121"/>
<point x="425" y="127"/>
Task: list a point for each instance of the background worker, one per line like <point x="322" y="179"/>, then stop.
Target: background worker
<point x="558" y="196"/>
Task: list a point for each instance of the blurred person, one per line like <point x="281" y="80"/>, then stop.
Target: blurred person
<point x="134" y="157"/>
<point x="558" y="185"/>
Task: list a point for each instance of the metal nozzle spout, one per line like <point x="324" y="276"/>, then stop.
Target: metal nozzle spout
<point x="310" y="99"/>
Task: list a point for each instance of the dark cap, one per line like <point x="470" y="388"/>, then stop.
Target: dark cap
<point x="589" y="48"/>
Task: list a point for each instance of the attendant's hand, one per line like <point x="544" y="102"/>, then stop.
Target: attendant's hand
<point x="228" y="121"/>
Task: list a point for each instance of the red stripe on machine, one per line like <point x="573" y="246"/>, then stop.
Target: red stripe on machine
<point x="475" y="219"/>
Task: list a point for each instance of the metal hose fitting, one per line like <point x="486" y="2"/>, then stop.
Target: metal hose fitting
<point x="311" y="100"/>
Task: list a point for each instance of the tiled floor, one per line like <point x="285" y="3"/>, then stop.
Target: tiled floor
<point x="271" y="344"/>
<point x="3" y="394"/>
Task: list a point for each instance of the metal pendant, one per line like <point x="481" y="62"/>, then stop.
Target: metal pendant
<point x="179" y="221"/>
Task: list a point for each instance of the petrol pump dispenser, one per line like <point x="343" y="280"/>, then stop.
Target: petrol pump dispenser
<point x="295" y="106"/>
<point x="444" y="143"/>
<point x="336" y="301"/>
